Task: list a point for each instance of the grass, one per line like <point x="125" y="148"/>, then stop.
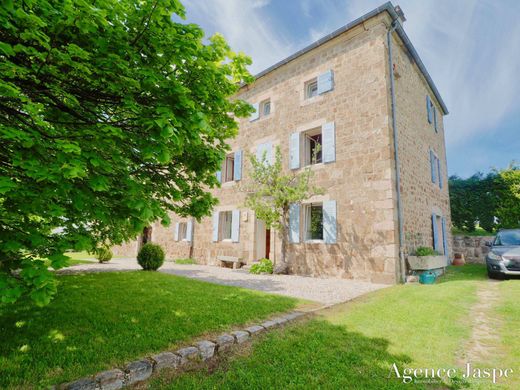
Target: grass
<point x="355" y="345"/>
<point x="185" y="261"/>
<point x="102" y="320"/>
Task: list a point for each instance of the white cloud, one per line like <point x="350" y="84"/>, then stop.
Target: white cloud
<point x="246" y="26"/>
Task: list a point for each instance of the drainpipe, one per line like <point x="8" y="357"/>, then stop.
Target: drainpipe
<point x="400" y="268"/>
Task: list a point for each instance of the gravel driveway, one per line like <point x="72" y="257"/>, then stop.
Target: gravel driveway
<point x="326" y="291"/>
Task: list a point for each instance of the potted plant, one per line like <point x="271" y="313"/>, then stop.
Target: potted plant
<point x="426" y="258"/>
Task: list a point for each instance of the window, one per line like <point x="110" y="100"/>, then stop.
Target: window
<point x="265" y="107"/>
<point x="228" y="170"/>
<point x="183" y="230"/>
<point x="226" y="218"/>
<point x="312" y="147"/>
<point x="311" y="88"/>
<point x="313" y="221"/>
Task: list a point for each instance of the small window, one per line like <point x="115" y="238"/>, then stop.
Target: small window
<point x="183" y="229"/>
<point x="313" y="221"/>
<point x="312" y="147"/>
<point x="311" y="88"/>
<point x="225" y="219"/>
<point x="265" y="107"/>
<point x="228" y="169"/>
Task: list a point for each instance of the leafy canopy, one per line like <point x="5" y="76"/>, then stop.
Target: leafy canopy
<point x="111" y="115"/>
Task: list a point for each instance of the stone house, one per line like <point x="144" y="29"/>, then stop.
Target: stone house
<point x="361" y="93"/>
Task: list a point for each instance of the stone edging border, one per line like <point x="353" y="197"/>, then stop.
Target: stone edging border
<point x="141" y="370"/>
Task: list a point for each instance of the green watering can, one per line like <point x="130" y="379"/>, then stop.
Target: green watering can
<point x="427" y="278"/>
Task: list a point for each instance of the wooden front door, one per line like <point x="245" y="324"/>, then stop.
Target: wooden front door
<point x="267" y="242"/>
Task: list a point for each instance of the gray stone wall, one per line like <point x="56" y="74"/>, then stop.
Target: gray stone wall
<point x="472" y="247"/>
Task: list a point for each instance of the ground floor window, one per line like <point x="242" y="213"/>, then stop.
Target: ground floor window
<point x="225" y="221"/>
<point x="183" y="231"/>
<point x="313" y="221"/>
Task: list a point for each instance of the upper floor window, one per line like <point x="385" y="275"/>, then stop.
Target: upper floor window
<point x="311" y="88"/>
<point x="228" y="170"/>
<point x="312" y="146"/>
<point x="265" y="107"/>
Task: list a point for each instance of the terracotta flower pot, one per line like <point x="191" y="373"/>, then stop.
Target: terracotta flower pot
<point x="459" y="259"/>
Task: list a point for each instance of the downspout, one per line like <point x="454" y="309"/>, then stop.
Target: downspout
<point x="400" y="267"/>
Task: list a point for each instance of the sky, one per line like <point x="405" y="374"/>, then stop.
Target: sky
<point x="471" y="50"/>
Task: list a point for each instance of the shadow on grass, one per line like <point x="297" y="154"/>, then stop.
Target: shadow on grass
<point x="313" y="354"/>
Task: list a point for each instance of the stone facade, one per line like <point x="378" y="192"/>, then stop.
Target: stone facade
<point x="473" y="248"/>
<point x="361" y="179"/>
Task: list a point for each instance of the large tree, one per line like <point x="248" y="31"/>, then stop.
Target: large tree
<point x="112" y="114"/>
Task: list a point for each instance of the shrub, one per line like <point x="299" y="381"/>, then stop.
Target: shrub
<point x="425" y="251"/>
<point x="150" y="257"/>
<point x="103" y="254"/>
<point x="264" y="266"/>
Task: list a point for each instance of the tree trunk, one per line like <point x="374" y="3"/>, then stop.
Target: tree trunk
<point x="281" y="266"/>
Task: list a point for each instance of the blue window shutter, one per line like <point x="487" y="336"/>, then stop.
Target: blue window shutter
<point x="176" y="232"/>
<point x="294" y="146"/>
<point x="435" y="119"/>
<point x="429" y="108"/>
<point x="189" y="230"/>
<point x="444" y="238"/>
<point x="219" y="176"/>
<point x="435" y="232"/>
<point x="238" y="165"/>
<point x="235" y="225"/>
<point x="329" y="222"/>
<point x="255" y="115"/>
<point x="215" y="225"/>
<point x="326" y="82"/>
<point x="328" y="142"/>
<point x="432" y="165"/>
<point x="439" y="172"/>
<point x="294" y="223"/>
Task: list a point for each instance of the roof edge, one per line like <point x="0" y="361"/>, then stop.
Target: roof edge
<point x="389" y="7"/>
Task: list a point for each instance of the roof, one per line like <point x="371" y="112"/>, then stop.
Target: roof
<point x="388" y="7"/>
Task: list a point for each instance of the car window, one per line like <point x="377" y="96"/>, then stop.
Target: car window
<point x="508" y="238"/>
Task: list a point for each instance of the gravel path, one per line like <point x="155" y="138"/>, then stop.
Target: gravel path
<point x="326" y="291"/>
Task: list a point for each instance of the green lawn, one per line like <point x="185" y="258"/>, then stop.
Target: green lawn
<point x="354" y="345"/>
<point x="185" y="261"/>
<point x="102" y="320"/>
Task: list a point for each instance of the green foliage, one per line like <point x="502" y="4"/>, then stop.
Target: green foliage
<point x="103" y="254"/>
<point x="112" y="115"/>
<point x="272" y="190"/>
<point x="264" y="266"/>
<point x="508" y="190"/>
<point x="185" y="261"/>
<point x="491" y="201"/>
<point x="150" y="257"/>
<point x="425" y="251"/>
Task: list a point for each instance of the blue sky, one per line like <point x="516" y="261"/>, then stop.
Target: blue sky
<point x="470" y="48"/>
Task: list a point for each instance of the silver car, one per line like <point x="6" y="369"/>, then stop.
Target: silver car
<point x="503" y="259"/>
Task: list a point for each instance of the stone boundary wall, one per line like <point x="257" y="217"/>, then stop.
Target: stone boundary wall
<point x="472" y="247"/>
<point x="141" y="370"/>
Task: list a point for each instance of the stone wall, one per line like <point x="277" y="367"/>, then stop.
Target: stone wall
<point x="472" y="247"/>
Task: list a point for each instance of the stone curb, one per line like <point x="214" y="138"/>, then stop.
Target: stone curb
<point x="141" y="370"/>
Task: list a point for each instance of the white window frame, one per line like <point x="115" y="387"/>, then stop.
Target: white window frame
<point x="228" y="168"/>
<point x="307" y="217"/>
<point x="183" y="231"/>
<point x="265" y="103"/>
<point x="306" y="154"/>
<point x="311" y="88"/>
<point x="225" y="217"/>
